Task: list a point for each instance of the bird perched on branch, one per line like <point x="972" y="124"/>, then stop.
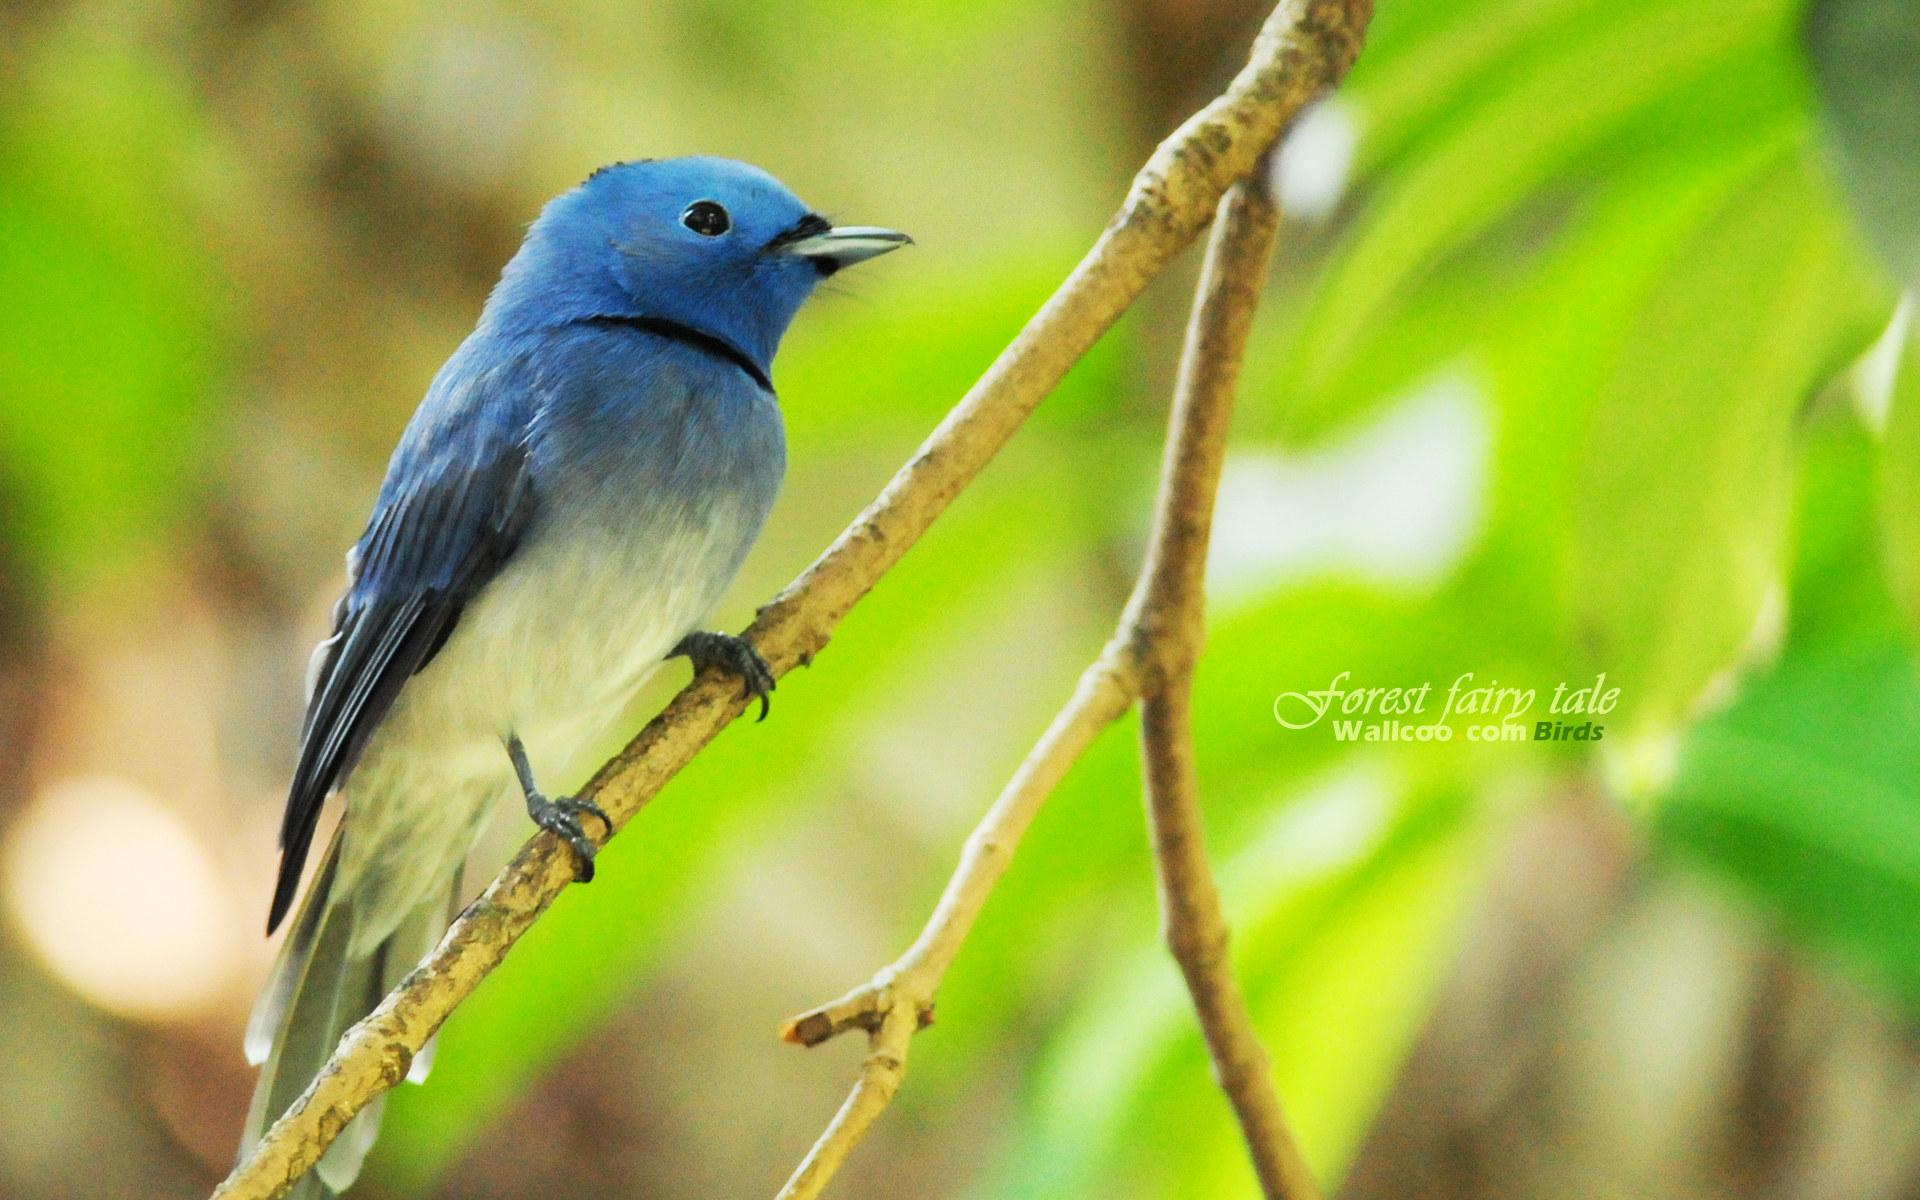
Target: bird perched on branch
<point x="564" y="509"/>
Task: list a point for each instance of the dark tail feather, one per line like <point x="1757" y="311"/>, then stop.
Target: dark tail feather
<point x="317" y="990"/>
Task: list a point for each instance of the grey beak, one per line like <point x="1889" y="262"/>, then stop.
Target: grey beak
<point x="844" y="245"/>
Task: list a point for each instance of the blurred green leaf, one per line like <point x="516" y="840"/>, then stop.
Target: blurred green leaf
<point x="1836" y="589"/>
<point x="1344" y="904"/>
<point x="1865" y="59"/>
<point x="1805" y="793"/>
<point x="1900" y="482"/>
<point x="1426" y="59"/>
<point x="1588" y="79"/>
<point x="1547" y="355"/>
<point x="1685" y="474"/>
<point x="1637" y="182"/>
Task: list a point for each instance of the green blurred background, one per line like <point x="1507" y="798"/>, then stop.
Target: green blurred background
<point x="1581" y="356"/>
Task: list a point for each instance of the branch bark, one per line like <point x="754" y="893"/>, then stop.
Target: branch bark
<point x="1171" y="616"/>
<point x="1150" y="659"/>
<point x="1303" y="49"/>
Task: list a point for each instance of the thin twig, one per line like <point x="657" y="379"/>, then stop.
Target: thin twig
<point x="1149" y="658"/>
<point x="1171" y="613"/>
<point x="1106" y="690"/>
<point x="1303" y="49"/>
<point x="899" y="1000"/>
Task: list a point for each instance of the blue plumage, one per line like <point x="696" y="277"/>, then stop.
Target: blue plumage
<point x="572" y="496"/>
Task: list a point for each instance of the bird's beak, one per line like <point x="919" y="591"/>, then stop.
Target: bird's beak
<point x="844" y="245"/>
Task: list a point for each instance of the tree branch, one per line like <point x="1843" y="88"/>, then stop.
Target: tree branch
<point x="1303" y="49"/>
<point x="1171" y="616"/>
<point x="1149" y="658"/>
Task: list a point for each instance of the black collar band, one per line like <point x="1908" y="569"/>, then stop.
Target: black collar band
<point x="689" y="336"/>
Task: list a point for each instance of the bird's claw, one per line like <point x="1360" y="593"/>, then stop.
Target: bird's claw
<point x="562" y="819"/>
<point x="736" y="656"/>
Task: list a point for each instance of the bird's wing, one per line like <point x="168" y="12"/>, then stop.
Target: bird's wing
<point x="456" y="499"/>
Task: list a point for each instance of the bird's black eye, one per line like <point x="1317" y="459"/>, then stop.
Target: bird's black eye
<point x="706" y="218"/>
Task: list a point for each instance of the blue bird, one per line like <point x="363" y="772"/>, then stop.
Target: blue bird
<point x="564" y="510"/>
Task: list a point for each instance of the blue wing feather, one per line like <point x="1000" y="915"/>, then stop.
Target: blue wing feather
<point x="451" y="512"/>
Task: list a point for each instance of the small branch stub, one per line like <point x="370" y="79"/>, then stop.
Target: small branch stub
<point x="863" y="1008"/>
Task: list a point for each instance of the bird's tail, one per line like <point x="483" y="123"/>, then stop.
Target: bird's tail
<point x="320" y="986"/>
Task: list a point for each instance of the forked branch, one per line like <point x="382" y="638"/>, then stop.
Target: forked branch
<point x="1150" y="659"/>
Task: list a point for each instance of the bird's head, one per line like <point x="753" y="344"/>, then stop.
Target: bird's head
<point x="716" y="245"/>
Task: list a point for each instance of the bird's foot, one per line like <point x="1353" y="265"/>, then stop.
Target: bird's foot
<point x="562" y="819"/>
<point x="559" y="817"/>
<point x="734" y="655"/>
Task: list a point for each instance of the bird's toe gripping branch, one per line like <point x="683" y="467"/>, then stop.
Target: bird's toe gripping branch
<point x="560" y="817"/>
<point x="734" y="655"/>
